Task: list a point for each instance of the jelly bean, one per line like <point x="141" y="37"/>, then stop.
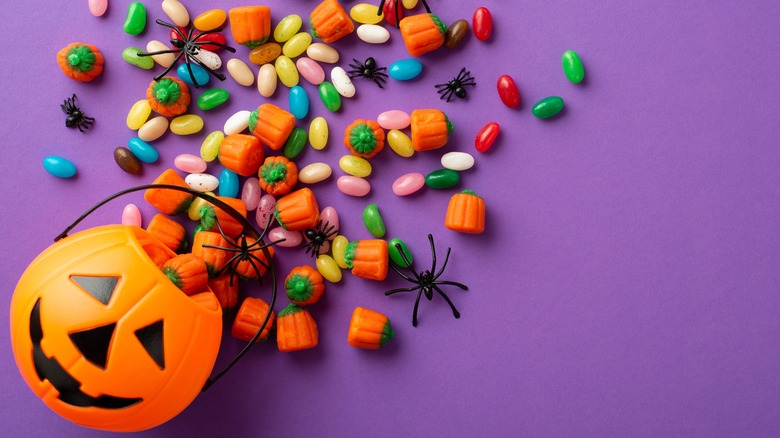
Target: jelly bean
<point x="314" y="173"/>
<point x="190" y="163"/>
<point x="265" y="53"/>
<point x="393" y="12"/>
<point x="209" y="59"/>
<point x="202" y="182"/>
<point x="126" y="160"/>
<point x="323" y="53"/>
<point x="400" y="143"/>
<point x="163" y="60"/>
<point x="373" y="34"/>
<point x="457" y="161"/>
<point x="216" y="38"/>
<point x="548" y="107"/>
<point x="187" y="124"/>
<point x="289" y="26"/>
<point x="228" y="183"/>
<point x="136" y="18"/>
<point x="373" y="221"/>
<point x="286" y="71"/>
<point x="143" y="150"/>
<point x="328" y="268"/>
<point x="310" y="70"/>
<point x="295" y="143"/>
<point x="295" y="46"/>
<point x="395" y="254"/>
<point x="98" y="7"/>
<point x="487" y="136"/>
<point x="285" y="238"/>
<point x="365" y="13"/>
<point x="213" y="98"/>
<point x="339" y="247"/>
<point x="330" y="220"/>
<point x="355" y="166"/>
<point x="59" y="167"/>
<point x="572" y="66"/>
<point x="209" y="149"/>
<point x="455" y="33"/>
<point x="508" y="92"/>
<point x="442" y="179"/>
<point x="250" y="193"/>
<point x="353" y="186"/>
<point x="131" y="215"/>
<point x="265" y="210"/>
<point x="199" y="74"/>
<point x="236" y="123"/>
<point x="299" y="102"/>
<point x="138" y="114"/>
<point x="176" y="12"/>
<point x="405" y="69"/>
<point x="342" y="82"/>
<point x="266" y="80"/>
<point x="407" y="184"/>
<point x="130" y="55"/>
<point x="410" y="4"/>
<point x="394" y="119"/>
<point x="482" y="22"/>
<point x="153" y="129"/>
<point x="194" y="211"/>
<point x="210" y="20"/>
<point x="318" y="133"/>
<point x="330" y="96"/>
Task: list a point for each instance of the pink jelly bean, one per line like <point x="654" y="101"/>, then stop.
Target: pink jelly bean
<point x="98" y="7"/>
<point x="394" y="119"/>
<point x="291" y="238"/>
<point x="265" y="208"/>
<point x="325" y="247"/>
<point x="407" y="184"/>
<point x="131" y="215"/>
<point x="250" y="193"/>
<point x="190" y="163"/>
<point x="353" y="186"/>
<point x="330" y="218"/>
<point x="310" y="70"/>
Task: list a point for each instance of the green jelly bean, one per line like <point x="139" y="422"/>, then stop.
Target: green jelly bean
<point x="130" y="55"/>
<point x="548" y="107"/>
<point x="373" y="221"/>
<point x="295" y="143"/>
<point x="213" y="98"/>
<point x="442" y="179"/>
<point x="136" y="18"/>
<point x="330" y="97"/>
<point x="572" y="66"/>
<point x="395" y="255"/>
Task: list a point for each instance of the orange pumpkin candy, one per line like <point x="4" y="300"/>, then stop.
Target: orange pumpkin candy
<point x="369" y="329"/>
<point x="249" y="319"/>
<point x="295" y="329"/>
<point x="422" y="33"/>
<point x="168" y="201"/>
<point x="169" y="96"/>
<point x="466" y="213"/>
<point x="241" y="153"/>
<point x="330" y="22"/>
<point x="171" y="233"/>
<point x="367" y="258"/>
<point x="304" y="285"/>
<point x="209" y="215"/>
<point x="188" y="272"/>
<point x="251" y="25"/>
<point x="364" y="138"/>
<point x="225" y="290"/>
<point x="79" y="61"/>
<point x="298" y="210"/>
<point x="206" y="245"/>
<point x="278" y="175"/>
<point x="430" y="129"/>
<point x="272" y="125"/>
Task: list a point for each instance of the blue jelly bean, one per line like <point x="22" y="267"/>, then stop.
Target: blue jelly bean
<point x="143" y="150"/>
<point x="59" y="167"/>
<point x="200" y="74"/>
<point x="405" y="69"/>
<point x="228" y="184"/>
<point x="299" y="102"/>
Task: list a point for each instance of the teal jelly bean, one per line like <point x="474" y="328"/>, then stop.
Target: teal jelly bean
<point x="395" y="255"/>
<point x="199" y="73"/>
<point x="442" y="179"/>
<point x="143" y="150"/>
<point x="213" y="98"/>
<point x="136" y="18"/>
<point x="405" y="69"/>
<point x="330" y="96"/>
<point x="59" y="167"/>
<point x="572" y="66"/>
<point x="548" y="107"/>
<point x="373" y="221"/>
<point x="295" y="143"/>
<point x="228" y="183"/>
<point x="130" y="55"/>
<point x="299" y="102"/>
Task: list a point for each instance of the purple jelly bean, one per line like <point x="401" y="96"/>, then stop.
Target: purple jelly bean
<point x="291" y="238"/>
<point x="250" y="193"/>
<point x="330" y="218"/>
<point x="265" y="208"/>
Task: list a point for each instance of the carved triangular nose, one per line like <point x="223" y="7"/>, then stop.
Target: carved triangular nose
<point x="94" y="343"/>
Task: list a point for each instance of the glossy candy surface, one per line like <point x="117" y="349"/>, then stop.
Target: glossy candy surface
<point x="353" y="186"/>
<point x="548" y="107"/>
<point x="98" y="7"/>
<point x="400" y="143"/>
<point x="266" y="80"/>
<point x="389" y="11"/>
<point x="394" y="119"/>
<point x="330" y="96"/>
<point x="59" y="166"/>
<point x="342" y="82"/>
<point x="314" y="173"/>
<point x="291" y="238"/>
<point x="153" y="128"/>
<point x="318" y="133"/>
<point x="287" y="27"/>
<point x="310" y="70"/>
<point x="210" y="19"/>
<point x="365" y="13"/>
<point x="487" y="136"/>
<point x="373" y="221"/>
<point x="198" y="73"/>
<point x="228" y="183"/>
<point x="209" y="59"/>
<point x="136" y="18"/>
<point x="138" y="114"/>
<point x="176" y="11"/>
<point x="240" y="72"/>
<point x="265" y="209"/>
<point x="209" y="149"/>
<point x="286" y="71"/>
<point x="131" y="215"/>
<point x="202" y="182"/>
<point x="295" y="46"/>
<point x="442" y="179"/>
<point x="265" y="53"/>
<point x="572" y="66"/>
<point x="373" y="34"/>
<point x="295" y="143"/>
<point x="405" y="69"/>
<point x="212" y="98"/>
<point x="299" y="102"/>
<point x="251" y="193"/>
<point x="482" y="23"/>
<point x="164" y="59"/>
<point x="455" y="34"/>
<point x="355" y="166"/>
<point x="237" y="123"/>
<point x="409" y="183"/>
<point x="190" y="163"/>
<point x="339" y="249"/>
<point x="143" y="150"/>
<point x="328" y="268"/>
<point x="330" y="216"/>
<point x="126" y="160"/>
<point x="130" y="55"/>
<point x="187" y="124"/>
<point x="508" y="92"/>
<point x="323" y="53"/>
<point x="395" y="255"/>
<point x="457" y="161"/>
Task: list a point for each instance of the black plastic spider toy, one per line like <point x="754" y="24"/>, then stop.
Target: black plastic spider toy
<point x="369" y="70"/>
<point x="426" y="281"/>
<point x="456" y="86"/>
<point x="76" y="118"/>
<point x="318" y="236"/>
<point x="398" y="8"/>
<point x="188" y="46"/>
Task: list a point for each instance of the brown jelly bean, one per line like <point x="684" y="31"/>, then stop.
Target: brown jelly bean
<point x="265" y="53"/>
<point x="126" y="160"/>
<point x="455" y="33"/>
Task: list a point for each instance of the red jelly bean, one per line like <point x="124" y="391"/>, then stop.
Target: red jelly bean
<point x="487" y="136"/>
<point x="389" y="11"/>
<point x="482" y="23"/>
<point x="507" y="90"/>
<point x="208" y="38"/>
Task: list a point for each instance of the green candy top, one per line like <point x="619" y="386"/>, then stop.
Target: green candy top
<point x="362" y="139"/>
<point x="173" y="276"/>
<point x="386" y="335"/>
<point x="470" y="192"/>
<point x="299" y="287"/>
<point x="350" y="253"/>
<point x="313" y="31"/>
<point x="81" y="58"/>
<point x="273" y="173"/>
<point x="208" y="217"/>
<point x="278" y="219"/>
<point x="166" y="91"/>
<point x="252" y="120"/>
<point x="290" y="310"/>
<point x="442" y="27"/>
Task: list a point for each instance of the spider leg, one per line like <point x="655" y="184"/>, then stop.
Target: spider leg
<point x="462" y="74"/>
<point x="468" y="82"/>
<point x="170" y="67"/>
<point x="452" y="283"/>
<point x="427" y="9"/>
<point x="219" y="76"/>
<point x="222" y="232"/>
<point x="446" y="259"/>
<point x="455" y="312"/>
<point x="416" y="305"/>
<point x="402" y="289"/>
<point x="404" y="276"/>
<point x="79" y="126"/>
<point x="171" y="26"/>
<point x="376" y="81"/>
<point x="220" y="45"/>
<point x="408" y="265"/>
<point x="379" y="8"/>
<point x="257" y="259"/>
<point x="433" y="253"/>
<point x="397" y="14"/>
<point x="189" y="70"/>
<point x="446" y="94"/>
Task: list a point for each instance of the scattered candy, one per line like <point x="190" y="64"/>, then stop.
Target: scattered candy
<point x="202" y="182"/>
<point x="265" y="53"/>
<point x="299" y="102"/>
<point x="310" y="70"/>
<point x="187" y="124"/>
<point x="405" y="69"/>
<point x="373" y="221"/>
<point x="278" y="175"/>
<point x="286" y="71"/>
<point x="213" y="98"/>
<point x="342" y="82"/>
<point x="364" y="138"/>
<point x="266" y="80"/>
<point x="572" y="66"/>
<point x="136" y="18"/>
<point x="430" y="129"/>
<point x="127" y="161"/>
<point x="163" y="59"/>
<point x="210" y="20"/>
<point x="482" y="22"/>
<point x="237" y="123"/>
<point x="143" y="150"/>
<point x="295" y="143"/>
<point x="355" y="166"/>
<point x="318" y="133"/>
<point x="322" y="53"/>
<point x="395" y="254"/>
<point x="455" y="34"/>
<point x="487" y="136"/>
<point x="131" y="215"/>
<point x="189" y="163"/>
<point x="295" y="328"/>
<point x="228" y="183"/>
<point x="209" y="149"/>
<point x="250" y="317"/>
<point x="81" y="62"/>
<point x="295" y="46"/>
<point x="394" y="119"/>
<point x="330" y="96"/>
<point x="169" y="96"/>
<point x="353" y="186"/>
<point x="457" y="161"/>
<point x="153" y="129"/>
<point x="442" y="179"/>
<point x="272" y="125"/>
<point x="410" y="4"/>
<point x="466" y="213"/>
<point x="367" y="259"/>
<point x="176" y="12"/>
<point x="548" y="107"/>
<point x="130" y="55"/>
<point x="400" y="143"/>
<point x="209" y="59"/>
<point x="368" y="329"/>
<point x="194" y="211"/>
<point x="508" y="92"/>
<point x="208" y="41"/>
<point x="328" y="268"/>
<point x="59" y="167"/>
<point x="292" y="239"/>
<point x="365" y="13"/>
<point x="369" y="70"/>
<point x="240" y="72"/>
<point x="251" y="193"/>
<point x="199" y="74"/>
<point x="287" y="27"/>
<point x="250" y="25"/>
<point x="330" y="220"/>
<point x="422" y="33"/>
<point x="330" y="22"/>
<point x="393" y="12"/>
<point x="98" y="7"/>
<point x="457" y="86"/>
<point x="339" y="247"/>
<point x="265" y="209"/>
<point x="373" y="34"/>
<point x="304" y="285"/>
<point x="314" y="173"/>
<point x="409" y="183"/>
<point x="241" y="154"/>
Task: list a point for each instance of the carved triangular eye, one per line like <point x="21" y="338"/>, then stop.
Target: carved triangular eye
<point x="93" y="343"/>
<point x="101" y="288"/>
<point x="151" y="337"/>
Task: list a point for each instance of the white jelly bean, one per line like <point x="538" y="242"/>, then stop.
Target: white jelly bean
<point x="394" y="119"/>
<point x="236" y="123"/>
<point x="457" y="161"/>
<point x="266" y="80"/>
<point x="342" y="82"/>
<point x="323" y="53"/>
<point x="291" y="238"/>
<point x="131" y="215"/>
<point x="209" y="59"/>
<point x="265" y="209"/>
<point x="202" y="182"/>
<point x="353" y="186"/>
<point x="176" y="12"/>
<point x="240" y="72"/>
<point x="314" y="173"/>
<point x="373" y="34"/>
<point x="165" y="59"/>
<point x="407" y="184"/>
<point x="251" y="193"/>
<point x="153" y="129"/>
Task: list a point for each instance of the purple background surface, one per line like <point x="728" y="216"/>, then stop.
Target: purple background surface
<point x="627" y="282"/>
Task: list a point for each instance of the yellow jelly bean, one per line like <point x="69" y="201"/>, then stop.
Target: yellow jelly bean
<point x="409" y="4"/>
<point x="288" y="27"/>
<point x="400" y="143"/>
<point x="210" y="147"/>
<point x="197" y="203"/>
<point x="355" y="166"/>
<point x="339" y="248"/>
<point x="318" y="133"/>
<point x="138" y="114"/>
<point x="286" y="71"/>
<point x="296" y="45"/>
<point x="365" y="13"/>
<point x="328" y="268"/>
<point x="186" y="124"/>
<point x="210" y="20"/>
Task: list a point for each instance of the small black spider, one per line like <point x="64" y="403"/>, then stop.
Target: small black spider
<point x="318" y="236"/>
<point x="456" y="86"/>
<point x="76" y="118"/>
<point x="381" y="7"/>
<point x="426" y="281"/>
<point x="369" y="70"/>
